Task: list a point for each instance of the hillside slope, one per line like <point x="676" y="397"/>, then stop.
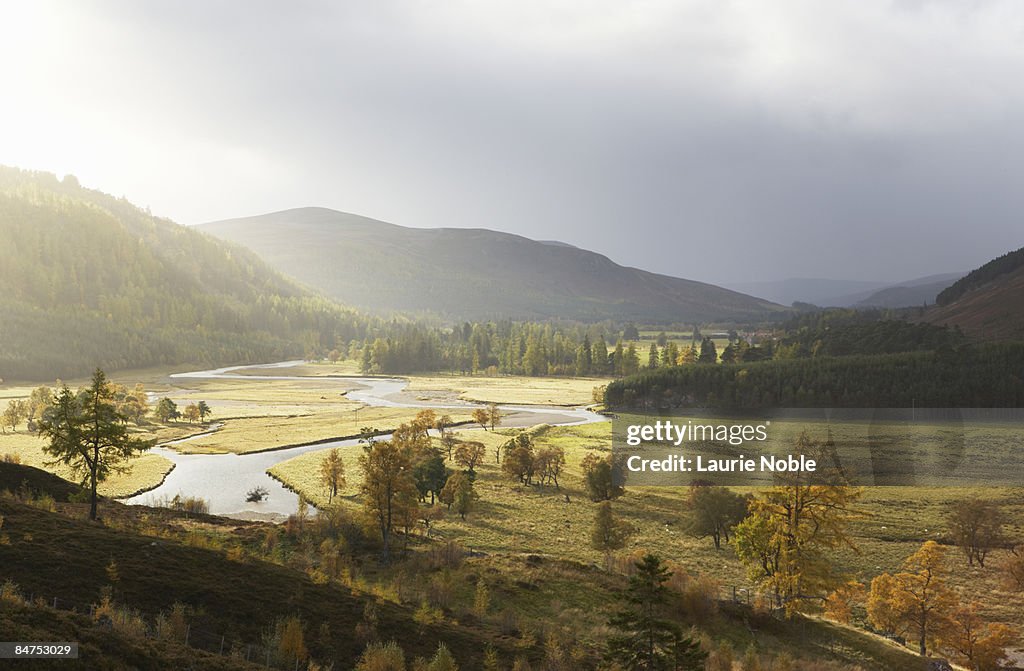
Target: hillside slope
<point x="992" y="310"/>
<point x="471" y="273"/>
<point x="234" y="599"/>
<point x="237" y="598"/>
<point x="910" y="294"/>
<point x="87" y="279"/>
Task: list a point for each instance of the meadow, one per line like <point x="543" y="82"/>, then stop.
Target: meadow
<point x="512" y="519"/>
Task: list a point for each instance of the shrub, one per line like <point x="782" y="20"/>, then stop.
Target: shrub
<point x="382" y="657"/>
<point x="256" y="494"/>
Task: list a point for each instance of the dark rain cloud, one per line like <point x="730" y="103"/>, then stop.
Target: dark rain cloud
<point x="715" y="140"/>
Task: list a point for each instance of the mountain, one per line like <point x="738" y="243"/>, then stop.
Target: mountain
<point x="922" y="291"/>
<point x="472" y="273"/>
<point x="850" y="293"/>
<point x="815" y="290"/>
<point x="91" y="280"/>
<point x="988" y="302"/>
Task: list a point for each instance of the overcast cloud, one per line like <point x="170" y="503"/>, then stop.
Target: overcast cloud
<point x="719" y="140"/>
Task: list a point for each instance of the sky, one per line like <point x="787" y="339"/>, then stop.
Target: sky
<point x="723" y="141"/>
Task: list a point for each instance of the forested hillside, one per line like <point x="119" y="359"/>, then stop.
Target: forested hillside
<point x="474" y="274"/>
<point x="91" y="280"/>
<point x="973" y="376"/>
<point x="88" y="279"/>
<point x="1004" y="265"/>
<point x="988" y="303"/>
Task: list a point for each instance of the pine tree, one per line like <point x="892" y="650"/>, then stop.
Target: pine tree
<point x="652" y="357"/>
<point x="648" y="641"/>
<point x="600" y="359"/>
<point x="708" y="351"/>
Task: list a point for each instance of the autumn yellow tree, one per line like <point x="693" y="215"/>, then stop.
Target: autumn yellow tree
<point x="1013" y="569"/>
<point x="469" y="454"/>
<point x="840" y="603"/>
<point x="974" y="643"/>
<point x="915" y="601"/>
<point x="388" y="489"/>
<point x="292" y="644"/>
<point x="482" y="417"/>
<point x="332" y="473"/>
<point x="191" y="413"/>
<point x="786" y="539"/>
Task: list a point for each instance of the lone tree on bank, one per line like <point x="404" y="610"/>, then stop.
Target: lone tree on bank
<point x="332" y="473"/>
<point x="88" y="433"/>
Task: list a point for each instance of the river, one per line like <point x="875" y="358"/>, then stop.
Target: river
<point x="224" y="479"/>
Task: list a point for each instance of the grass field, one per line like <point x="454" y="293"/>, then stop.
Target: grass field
<point x="558" y="391"/>
<point x="255" y="434"/>
<point x="516" y="519"/>
<point x="235" y="594"/>
<point x="143" y="472"/>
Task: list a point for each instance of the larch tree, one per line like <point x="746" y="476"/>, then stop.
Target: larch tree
<point x="786" y="539"/>
<point x="88" y="434"/>
<point x="332" y="473"/>
<point x="974" y="643"/>
<point x="915" y="601"/>
<point x="388" y="487"/>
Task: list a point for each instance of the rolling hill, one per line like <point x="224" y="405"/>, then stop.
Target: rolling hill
<point x="472" y="273"/>
<point x="850" y="293"/>
<point x="988" y="302"/>
<point x="912" y="293"/>
<point x="91" y="280"/>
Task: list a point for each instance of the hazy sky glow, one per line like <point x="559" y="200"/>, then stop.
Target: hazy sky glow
<point x="714" y="140"/>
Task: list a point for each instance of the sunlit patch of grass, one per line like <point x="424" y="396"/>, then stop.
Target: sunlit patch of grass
<point x="143" y="472"/>
<point x="512" y="390"/>
<point x="265" y="433"/>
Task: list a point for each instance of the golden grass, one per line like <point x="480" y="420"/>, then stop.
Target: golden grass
<point x="514" y="519"/>
<point x="143" y="472"/>
<point x="265" y="433"/>
<point x="561" y="391"/>
<point x="348" y="367"/>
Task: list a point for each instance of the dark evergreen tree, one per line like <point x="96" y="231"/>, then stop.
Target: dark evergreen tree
<point x="708" y="351"/>
<point x="647" y="639"/>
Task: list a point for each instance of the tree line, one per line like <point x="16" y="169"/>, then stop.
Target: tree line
<point x="982" y="375"/>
